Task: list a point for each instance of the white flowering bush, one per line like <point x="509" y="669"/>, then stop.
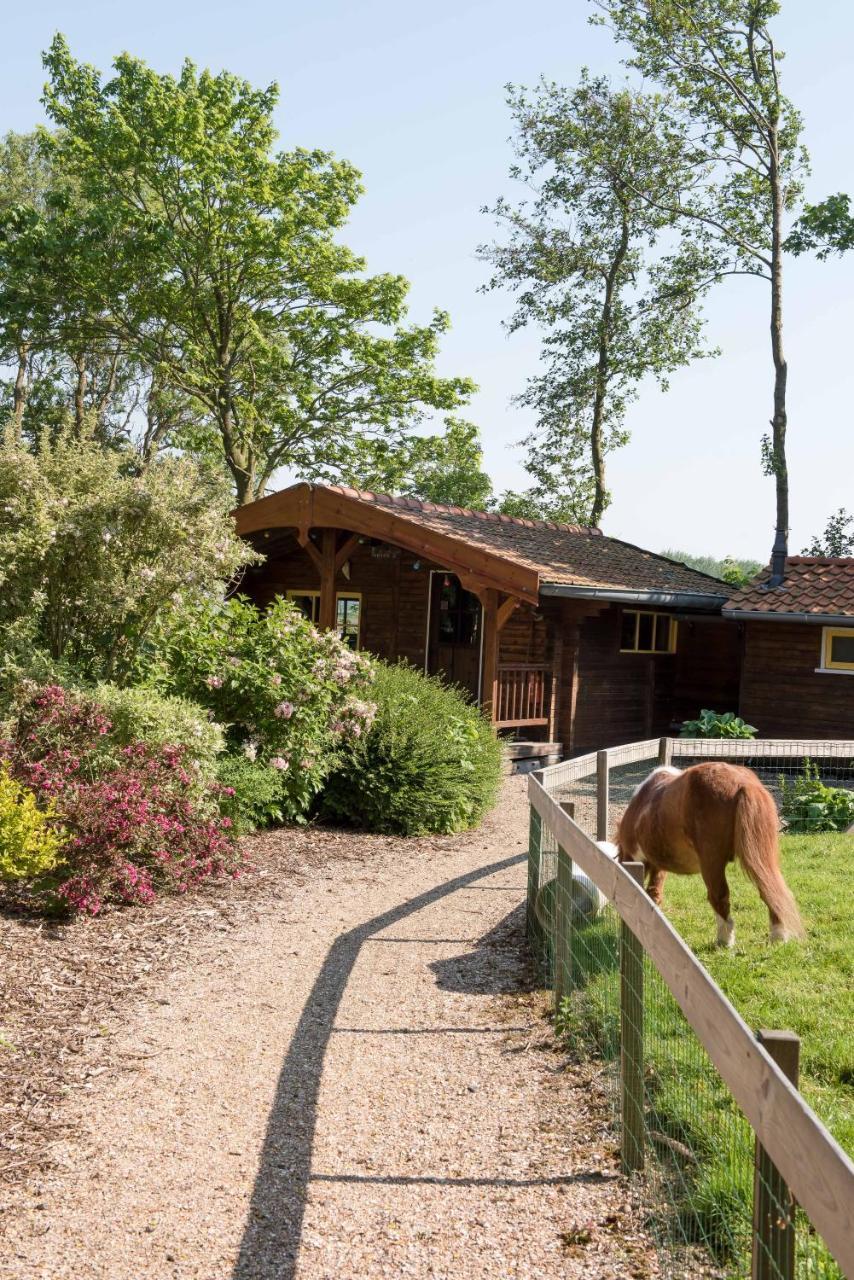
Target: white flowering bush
<point x="94" y="547"/>
<point x="288" y="696"/>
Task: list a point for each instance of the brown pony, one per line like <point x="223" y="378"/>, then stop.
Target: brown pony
<point x="700" y="820"/>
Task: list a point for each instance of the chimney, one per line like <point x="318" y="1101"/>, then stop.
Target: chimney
<point x="778" y="560"/>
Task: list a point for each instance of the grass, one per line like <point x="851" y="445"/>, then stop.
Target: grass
<point x="702" y="1173"/>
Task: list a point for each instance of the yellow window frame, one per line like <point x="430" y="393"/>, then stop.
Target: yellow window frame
<point x="650" y="613"/>
<point x="829" y="634"/>
<point x="296" y="593"/>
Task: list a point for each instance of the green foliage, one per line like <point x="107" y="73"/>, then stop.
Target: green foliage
<point x="809" y="806"/>
<point x="92" y="550"/>
<point x="837" y="538"/>
<point x="593" y="264"/>
<point x="447" y="469"/>
<point x="823" y="229"/>
<point x="217" y="263"/>
<point x="288" y="695"/>
<point x="30" y="837"/>
<point x="253" y="793"/>
<point x="431" y="761"/>
<point x="712" y="724"/>
<point x="143" y="715"/>
<point x="735" y="572"/>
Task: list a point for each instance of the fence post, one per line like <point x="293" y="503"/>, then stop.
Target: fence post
<point x="773" y="1203"/>
<point x="563" y="926"/>
<point x="631" y="1040"/>
<point x="665" y="750"/>
<point x="602" y="785"/>
<point x="535" y="826"/>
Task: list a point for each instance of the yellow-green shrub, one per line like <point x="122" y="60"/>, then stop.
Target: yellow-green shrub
<point x="30" y="839"/>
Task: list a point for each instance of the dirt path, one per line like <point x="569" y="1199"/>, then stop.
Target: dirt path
<point x="356" y="1081"/>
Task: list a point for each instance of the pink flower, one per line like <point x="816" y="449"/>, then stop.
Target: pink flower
<point x="284" y="710"/>
<point x="214" y="682"/>
<point x="279" y="762"/>
<point x="277" y="680"/>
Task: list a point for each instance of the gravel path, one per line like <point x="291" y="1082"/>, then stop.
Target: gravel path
<point x="356" y="1081"/>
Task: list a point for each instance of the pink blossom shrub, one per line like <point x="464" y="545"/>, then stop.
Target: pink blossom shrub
<point x="140" y="820"/>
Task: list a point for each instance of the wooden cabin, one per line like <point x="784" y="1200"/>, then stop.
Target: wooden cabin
<point x="797" y="669"/>
<point x="571" y="639"/>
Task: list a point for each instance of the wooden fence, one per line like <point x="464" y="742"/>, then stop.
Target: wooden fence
<point x="793" y="1146"/>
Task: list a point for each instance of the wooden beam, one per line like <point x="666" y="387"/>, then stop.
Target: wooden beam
<point x="342" y="555"/>
<point x="307" y="545"/>
<point x="326" y="615"/>
<point x="489" y="677"/>
<point x="505" y="611"/>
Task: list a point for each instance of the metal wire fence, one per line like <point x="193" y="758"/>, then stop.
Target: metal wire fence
<point x="719" y="1206"/>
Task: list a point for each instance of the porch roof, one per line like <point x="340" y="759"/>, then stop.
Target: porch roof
<point x="521" y="557"/>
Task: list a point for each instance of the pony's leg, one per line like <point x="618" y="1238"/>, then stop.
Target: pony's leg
<point x="717" y="891"/>
<point x="655" y="883"/>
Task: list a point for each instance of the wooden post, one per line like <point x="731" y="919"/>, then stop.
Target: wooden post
<point x="602" y="783"/>
<point x="489" y="679"/>
<point x="773" y="1203"/>
<point x="535" y="828"/>
<point x="326" y="615"/>
<point x="563" y="927"/>
<point x="631" y="1040"/>
<point x="665" y="750"/>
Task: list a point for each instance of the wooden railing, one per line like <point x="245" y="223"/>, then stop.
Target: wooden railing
<point x="523" y="690"/>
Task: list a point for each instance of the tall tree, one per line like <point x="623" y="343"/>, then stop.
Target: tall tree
<point x="719" y="59"/>
<point x="216" y="262"/>
<point x="446" y="468"/>
<point x="579" y="256"/>
<point x="837" y="538"/>
<point x="823" y="229"/>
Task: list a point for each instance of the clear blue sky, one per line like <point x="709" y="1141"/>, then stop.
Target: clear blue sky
<point x="414" y="97"/>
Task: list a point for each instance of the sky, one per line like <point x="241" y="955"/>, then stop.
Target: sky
<point x="414" y="97"/>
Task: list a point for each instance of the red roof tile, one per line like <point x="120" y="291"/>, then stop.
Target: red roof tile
<point x="814" y="586"/>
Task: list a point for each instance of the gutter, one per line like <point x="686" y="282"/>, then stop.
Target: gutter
<point x="759" y="615"/>
<point x="679" y="599"/>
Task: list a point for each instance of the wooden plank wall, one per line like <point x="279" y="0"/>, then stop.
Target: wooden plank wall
<point x="781" y="692"/>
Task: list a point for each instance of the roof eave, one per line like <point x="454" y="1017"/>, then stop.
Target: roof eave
<point x="623" y="595"/>
<point x="761" y="615"/>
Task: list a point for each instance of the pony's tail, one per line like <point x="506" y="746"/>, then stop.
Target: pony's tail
<point x="757" y="847"/>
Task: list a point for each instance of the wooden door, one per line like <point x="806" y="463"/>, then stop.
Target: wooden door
<point x="456" y="623"/>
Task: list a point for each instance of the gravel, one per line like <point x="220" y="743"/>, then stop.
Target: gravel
<point x="338" y="1066"/>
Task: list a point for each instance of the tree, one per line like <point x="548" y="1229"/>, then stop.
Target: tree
<point x="216" y="263"/>
<point x="837" y="538"/>
<point x="823" y="229"/>
<point x="578" y="256"/>
<point x="447" y="468"/>
<point x="737" y="572"/>
<point x="719" y="60"/>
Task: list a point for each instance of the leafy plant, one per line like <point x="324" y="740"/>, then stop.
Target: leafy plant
<point x="712" y="724"/>
<point x="810" y="806"/>
<point x="287" y="694"/>
<point x="30" y="837"/>
<point x="252" y="793"/>
<point x="159" y="720"/>
<point x="431" y="761"/>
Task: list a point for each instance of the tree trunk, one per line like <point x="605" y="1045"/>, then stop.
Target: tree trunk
<point x="22" y="387"/>
<point x="778" y="422"/>
<point x="597" y="451"/>
<point x="239" y="457"/>
<point x="80" y="394"/>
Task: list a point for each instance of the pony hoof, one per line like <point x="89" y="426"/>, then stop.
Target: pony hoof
<point x="780" y="934"/>
<point x="726" y="933"/>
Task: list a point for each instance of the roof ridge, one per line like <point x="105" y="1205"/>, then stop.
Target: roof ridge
<point x="493" y="517"/>
<point x="842" y="561"/>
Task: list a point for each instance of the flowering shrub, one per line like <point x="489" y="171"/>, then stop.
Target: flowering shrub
<point x="143" y="715"/>
<point x="431" y="761"/>
<point x="139" y="820"/>
<point x="30" y="837"/>
<point x="251" y="792"/>
<point x="288" y="695"/>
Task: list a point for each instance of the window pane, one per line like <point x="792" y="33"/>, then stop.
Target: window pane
<point x="627" y="634"/>
<point x="308" y="605"/>
<point x="646" y="622"/>
<point x="348" y="609"/>
<point x="662" y="633"/>
<point x="842" y="648"/>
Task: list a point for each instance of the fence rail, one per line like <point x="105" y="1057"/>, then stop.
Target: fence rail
<point x="522" y="695"/>
<point x="804" y="1160"/>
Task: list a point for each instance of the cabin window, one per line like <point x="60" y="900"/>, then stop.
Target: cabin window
<point x="838" y="649"/>
<point x="459" y="614"/>
<point x="645" y="632"/>
<point x="348" y="612"/>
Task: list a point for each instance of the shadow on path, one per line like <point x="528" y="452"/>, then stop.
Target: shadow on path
<point x="270" y="1244"/>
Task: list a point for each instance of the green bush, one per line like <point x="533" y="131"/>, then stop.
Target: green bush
<point x="711" y="724"/>
<point x="30" y="838"/>
<point x="158" y="720"/>
<point x="430" y="763"/>
<point x="810" y="806"/>
<point x="253" y="793"/>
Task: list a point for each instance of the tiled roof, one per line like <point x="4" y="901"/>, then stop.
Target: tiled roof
<point x="818" y="586"/>
<point x="562" y="554"/>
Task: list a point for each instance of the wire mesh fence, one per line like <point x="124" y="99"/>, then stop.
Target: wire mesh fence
<point x="718" y="1206"/>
